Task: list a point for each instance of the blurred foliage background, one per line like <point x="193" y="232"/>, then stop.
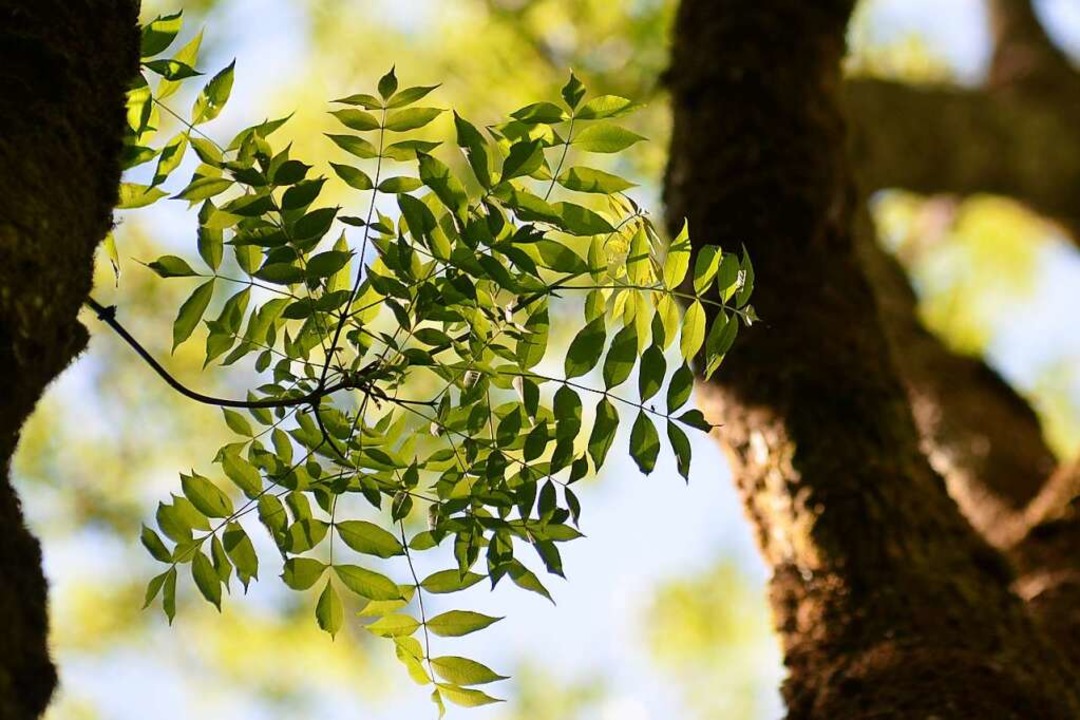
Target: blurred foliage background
<point x="691" y="637"/>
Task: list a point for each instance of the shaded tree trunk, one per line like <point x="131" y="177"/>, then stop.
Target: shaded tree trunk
<point x="65" y="66"/>
<point x="888" y="603"/>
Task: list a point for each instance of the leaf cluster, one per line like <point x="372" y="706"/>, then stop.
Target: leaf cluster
<point x="407" y="399"/>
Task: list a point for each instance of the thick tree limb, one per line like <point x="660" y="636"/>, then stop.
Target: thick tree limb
<point x="977" y="432"/>
<point x="950" y="140"/>
<point x="888" y="604"/>
<point x="65" y="66"/>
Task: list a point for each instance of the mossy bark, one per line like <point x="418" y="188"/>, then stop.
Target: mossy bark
<point x="65" y="66"/>
<point x="888" y="603"/>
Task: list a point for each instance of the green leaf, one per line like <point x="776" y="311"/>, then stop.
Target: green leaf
<point x="680" y="445"/>
<point x="462" y="671"/>
<point x="188" y="55"/>
<point x="242" y="553"/>
<point x="305" y="534"/>
<point x="566" y="407"/>
<point x="301" y="573"/>
<point x="582" y="221"/>
<point x="651" y="373"/>
<point x="353" y="145"/>
<point x="369" y="538"/>
<point x="585" y="179"/>
<point x="605" y="138"/>
<point x="411" y="118"/>
<point x="541" y="112"/>
<point x="473" y="144"/>
<point x="585" y="349"/>
<point x="222" y="565"/>
<point x="705" y="266"/>
<point x="329" y="612"/>
<point x="721" y="337"/>
<point x="526" y="579"/>
<point x="727" y="277"/>
<point x="355" y="177"/>
<point x="524" y="158"/>
<point x="399" y="184"/>
<point x="448" y="581"/>
<point x="678" y="392"/>
<point x="533" y="344"/>
<point x="191" y="312"/>
<point x="154" y="545"/>
<point x="621" y="357"/>
<point x="455" y="623"/>
<point x="411" y="655"/>
<point x="409" y="95"/>
<point x="559" y="257"/>
<point x="605" y="106"/>
<point x="446" y="187"/>
<point x="206" y="496"/>
<point x="171" y="69"/>
<point x="171" y="156"/>
<point x="211" y="246"/>
<point x="357" y="120"/>
<point x="644" y="443"/>
<point x="168" y="595"/>
<point x="206" y="578"/>
<point x="695" y="419"/>
<point x="134" y="196"/>
<point x="214" y="96"/>
<point x="364" y="100"/>
<point x="638" y="259"/>
<point x="237" y="422"/>
<point x="466" y="697"/>
<point x="573" y="91"/>
<point x="677" y="261"/>
<point x="387" y="84"/>
<point x="302" y="194"/>
<point x="202" y="188"/>
<point x="207" y="151"/>
<point x="667" y="311"/>
<point x="407" y="149"/>
<point x="159" y="34"/>
<point x="747" y="287"/>
<point x="418" y="216"/>
<point x="154" y="586"/>
<point x="393" y="625"/>
<point x="693" y="331"/>
<point x="367" y="583"/>
<point x="280" y="273"/>
<point x="325" y="264"/>
<point x="603" y="431"/>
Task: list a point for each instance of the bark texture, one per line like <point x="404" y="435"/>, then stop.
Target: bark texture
<point x="64" y="68"/>
<point x="887" y="602"/>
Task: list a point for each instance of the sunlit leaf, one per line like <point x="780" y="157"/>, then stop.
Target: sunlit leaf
<point x="368" y="538"/>
<point x="605" y="138"/>
<point x="454" y="623"/>
<point x="462" y="671"/>
<point x="329" y="611"/>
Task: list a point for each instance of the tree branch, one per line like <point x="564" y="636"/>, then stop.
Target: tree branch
<point x="950" y="140"/>
<point x="977" y="432"/>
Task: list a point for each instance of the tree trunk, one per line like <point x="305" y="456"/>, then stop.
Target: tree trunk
<point x="887" y="602"/>
<point x="65" y="66"/>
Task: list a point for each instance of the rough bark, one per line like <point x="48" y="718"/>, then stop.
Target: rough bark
<point x="64" y="68"/>
<point x="977" y="432"/>
<point x="887" y="602"/>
